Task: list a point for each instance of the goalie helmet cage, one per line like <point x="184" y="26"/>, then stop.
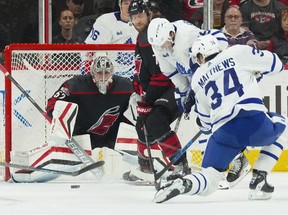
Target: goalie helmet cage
<point x="40" y="69"/>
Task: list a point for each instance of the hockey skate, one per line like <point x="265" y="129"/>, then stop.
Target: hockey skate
<point x="181" y="169"/>
<point x="259" y="188"/>
<point x="172" y="189"/>
<point x="141" y="175"/>
<point x="240" y="168"/>
<point x="131" y="178"/>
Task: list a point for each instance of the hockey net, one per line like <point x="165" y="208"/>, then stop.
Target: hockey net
<point x="40" y="69"/>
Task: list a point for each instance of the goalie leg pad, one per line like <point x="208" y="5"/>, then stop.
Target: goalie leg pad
<point x="53" y="156"/>
<point x="24" y="176"/>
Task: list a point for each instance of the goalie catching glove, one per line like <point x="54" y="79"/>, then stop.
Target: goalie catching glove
<point x="64" y="117"/>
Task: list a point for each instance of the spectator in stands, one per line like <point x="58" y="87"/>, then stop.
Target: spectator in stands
<point x="262" y="17"/>
<point x="113" y="27"/>
<point x="233" y="31"/>
<point x="279" y="42"/>
<point x="66" y="35"/>
<point x="77" y="7"/>
<point x="219" y="9"/>
<point x="85" y="23"/>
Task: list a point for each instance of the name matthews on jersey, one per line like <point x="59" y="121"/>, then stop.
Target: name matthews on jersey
<point x="226" y="64"/>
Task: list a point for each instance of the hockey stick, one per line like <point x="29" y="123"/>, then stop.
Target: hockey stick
<point x="72" y="144"/>
<point x="154" y="177"/>
<point x="156" y="184"/>
<point x="176" y="156"/>
<point x="52" y="171"/>
<point x="160" y="154"/>
<point x="176" y="127"/>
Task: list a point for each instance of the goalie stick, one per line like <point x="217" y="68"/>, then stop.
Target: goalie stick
<point x="72" y="144"/>
<point x="52" y="171"/>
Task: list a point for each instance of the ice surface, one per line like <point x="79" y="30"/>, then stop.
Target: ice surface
<point x="115" y="197"/>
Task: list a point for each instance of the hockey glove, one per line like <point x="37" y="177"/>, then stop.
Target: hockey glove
<point x="143" y="109"/>
<point x="205" y="129"/>
<point x="184" y="100"/>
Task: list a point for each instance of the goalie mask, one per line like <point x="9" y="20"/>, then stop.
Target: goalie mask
<point x="102" y="70"/>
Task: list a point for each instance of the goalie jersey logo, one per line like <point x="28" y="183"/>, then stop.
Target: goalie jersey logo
<point x="107" y="119"/>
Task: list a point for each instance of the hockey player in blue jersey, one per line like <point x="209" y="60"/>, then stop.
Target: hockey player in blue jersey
<point x="229" y="104"/>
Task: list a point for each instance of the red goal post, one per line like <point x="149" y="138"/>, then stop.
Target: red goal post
<point x="40" y="69"/>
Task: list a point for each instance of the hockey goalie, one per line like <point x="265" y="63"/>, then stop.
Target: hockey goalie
<point x="91" y="104"/>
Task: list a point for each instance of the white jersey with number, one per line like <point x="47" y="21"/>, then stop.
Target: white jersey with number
<point x="227" y="83"/>
<point x="176" y="63"/>
<point x="109" y="28"/>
